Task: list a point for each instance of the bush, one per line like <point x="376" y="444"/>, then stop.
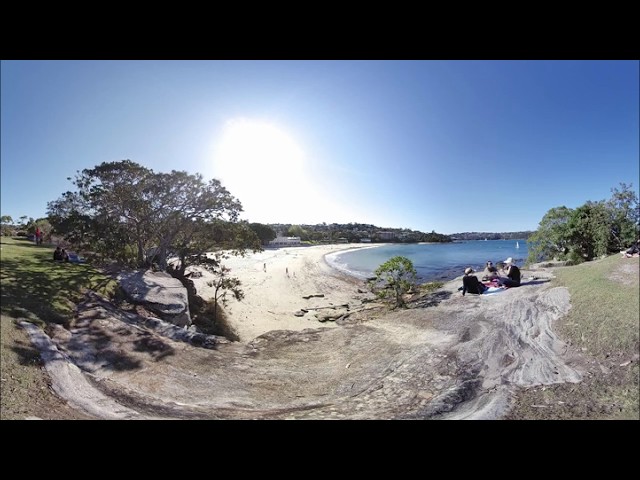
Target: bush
<point x="395" y="277"/>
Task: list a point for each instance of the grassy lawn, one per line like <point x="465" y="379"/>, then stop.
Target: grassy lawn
<point x="37" y="289"/>
<point x="603" y="326"/>
<point x="605" y="305"/>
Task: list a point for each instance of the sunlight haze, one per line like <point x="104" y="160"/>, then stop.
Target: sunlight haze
<point x="450" y="146"/>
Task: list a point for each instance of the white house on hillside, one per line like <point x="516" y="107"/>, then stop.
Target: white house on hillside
<point x="285" y="242"/>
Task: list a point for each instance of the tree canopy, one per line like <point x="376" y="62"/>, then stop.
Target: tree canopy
<point x="122" y="210"/>
<point x="397" y="276"/>
<point x="592" y="230"/>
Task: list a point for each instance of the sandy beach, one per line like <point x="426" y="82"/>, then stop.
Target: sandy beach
<point x="274" y="282"/>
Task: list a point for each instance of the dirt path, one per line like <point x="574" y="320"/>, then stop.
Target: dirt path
<point x="451" y="357"/>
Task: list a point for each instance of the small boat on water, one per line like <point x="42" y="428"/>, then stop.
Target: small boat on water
<point x="517" y="245"/>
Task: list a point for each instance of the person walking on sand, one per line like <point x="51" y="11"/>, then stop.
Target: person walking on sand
<point x="287" y="270"/>
<point x="264" y="267"/>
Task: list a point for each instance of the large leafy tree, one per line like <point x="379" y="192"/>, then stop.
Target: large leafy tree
<point x="264" y="232"/>
<point x="122" y="209"/>
<point x="589" y="231"/>
<point x="6" y="223"/>
<point x="397" y="276"/>
<point x="551" y="240"/>
<point x="624" y="210"/>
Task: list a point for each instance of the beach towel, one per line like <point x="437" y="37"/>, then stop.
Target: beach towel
<point x="492" y="290"/>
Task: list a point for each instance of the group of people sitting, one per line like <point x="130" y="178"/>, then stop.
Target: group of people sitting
<point x="632" y="251"/>
<point x="60" y="255"/>
<point x="471" y="284"/>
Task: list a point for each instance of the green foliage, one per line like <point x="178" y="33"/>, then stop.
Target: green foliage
<point x="397" y="277"/>
<point x="551" y="240"/>
<point x="122" y="209"/>
<point x="298" y="231"/>
<point x="592" y="230"/>
<point x="264" y="232"/>
<point x="38" y="289"/>
<point x="6" y="225"/>
<point x="222" y="283"/>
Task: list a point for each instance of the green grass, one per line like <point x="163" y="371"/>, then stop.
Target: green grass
<point x="36" y="288"/>
<point x="603" y="325"/>
<point x="604" y="313"/>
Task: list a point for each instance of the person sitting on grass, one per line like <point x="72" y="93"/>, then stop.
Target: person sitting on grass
<point x="65" y="255"/>
<point x="471" y="284"/>
<point x="632" y="251"/>
<point x="57" y="254"/>
<point x="513" y="275"/>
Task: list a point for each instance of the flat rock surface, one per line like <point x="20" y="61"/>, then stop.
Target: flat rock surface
<point x="159" y="291"/>
<point x="447" y="356"/>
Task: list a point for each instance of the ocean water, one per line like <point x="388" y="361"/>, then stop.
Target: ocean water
<point x="441" y="261"/>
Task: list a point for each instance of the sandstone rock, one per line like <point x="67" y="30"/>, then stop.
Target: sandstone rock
<point x="159" y="293"/>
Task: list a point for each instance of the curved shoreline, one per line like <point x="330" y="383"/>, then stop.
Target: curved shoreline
<point x="276" y="282"/>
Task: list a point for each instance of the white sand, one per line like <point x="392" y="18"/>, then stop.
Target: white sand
<point x="273" y="296"/>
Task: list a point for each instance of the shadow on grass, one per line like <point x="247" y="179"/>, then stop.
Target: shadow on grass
<point x="44" y="288"/>
<point x="27" y="354"/>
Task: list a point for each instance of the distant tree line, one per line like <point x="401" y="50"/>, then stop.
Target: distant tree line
<point x="592" y="230"/>
<point x="355" y="233"/>
<point x="523" y="235"/>
<point x="25" y="226"/>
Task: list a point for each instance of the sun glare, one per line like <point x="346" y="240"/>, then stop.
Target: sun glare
<point x="264" y="168"/>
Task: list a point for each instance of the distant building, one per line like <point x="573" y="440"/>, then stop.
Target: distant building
<point x="342" y="240"/>
<point x="285" y="242"/>
<point x="386" y="235"/>
<point x="365" y="240"/>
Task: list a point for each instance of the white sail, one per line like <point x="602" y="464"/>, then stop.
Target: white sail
<point x="517" y="245"/>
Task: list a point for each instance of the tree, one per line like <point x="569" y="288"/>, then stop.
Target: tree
<point x="592" y="230"/>
<point x="6" y="223"/>
<point x="122" y="209"/>
<point x="298" y="231"/>
<point x="264" y="232"/>
<point x="589" y="230"/>
<point x="222" y="285"/>
<point x="397" y="276"/>
<point x="110" y="213"/>
<point x="551" y="240"/>
<point x="624" y="209"/>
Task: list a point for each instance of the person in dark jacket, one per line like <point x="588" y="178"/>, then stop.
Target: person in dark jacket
<point x="57" y="254"/>
<point x="471" y="284"/>
<point x="632" y="250"/>
<point x="513" y="274"/>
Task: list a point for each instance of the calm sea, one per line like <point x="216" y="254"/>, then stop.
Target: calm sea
<point x="441" y="261"/>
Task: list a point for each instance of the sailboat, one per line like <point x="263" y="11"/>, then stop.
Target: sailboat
<point x="517" y="245"/>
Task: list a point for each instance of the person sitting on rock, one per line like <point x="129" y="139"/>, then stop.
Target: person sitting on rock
<point x="471" y="284"/>
<point x="490" y="272"/>
<point x="513" y="275"/>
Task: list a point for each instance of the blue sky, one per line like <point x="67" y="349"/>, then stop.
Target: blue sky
<point x="450" y="146"/>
